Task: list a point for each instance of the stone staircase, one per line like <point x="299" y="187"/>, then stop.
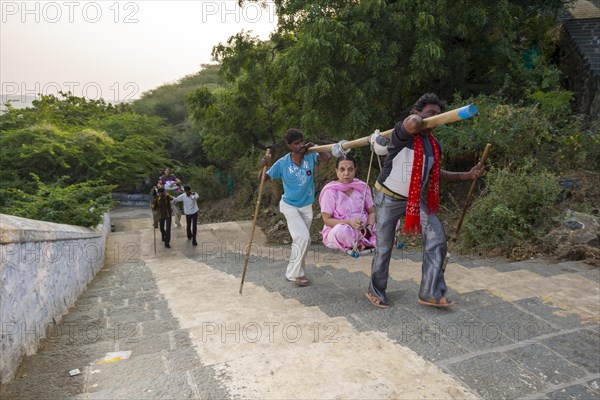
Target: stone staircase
<point x="519" y="330"/>
<point x="122" y="309"/>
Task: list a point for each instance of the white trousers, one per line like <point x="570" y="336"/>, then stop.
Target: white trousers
<point x="176" y="214"/>
<point x="298" y="222"/>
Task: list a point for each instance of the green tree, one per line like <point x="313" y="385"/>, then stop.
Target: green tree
<point x="249" y="110"/>
<point x="82" y="204"/>
<point x="168" y="102"/>
<point x="79" y="138"/>
<point x="355" y="65"/>
<point x="339" y="69"/>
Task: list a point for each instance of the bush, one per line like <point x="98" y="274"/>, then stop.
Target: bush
<point x="518" y="206"/>
<point x="543" y="129"/>
<point x="82" y="204"/>
<point x="205" y="181"/>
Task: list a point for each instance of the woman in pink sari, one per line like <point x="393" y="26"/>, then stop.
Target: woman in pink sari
<point x="347" y="210"/>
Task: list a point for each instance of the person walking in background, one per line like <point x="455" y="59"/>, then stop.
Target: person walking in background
<point x="296" y="170"/>
<point x="409" y="185"/>
<point x="165" y="209"/>
<point x="347" y="210"/>
<point x="172" y="185"/>
<point x="190" y="209"/>
<point x="155" y="213"/>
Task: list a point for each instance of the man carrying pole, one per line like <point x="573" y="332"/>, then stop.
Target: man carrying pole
<point x="409" y="185"/>
<point x="296" y="170"/>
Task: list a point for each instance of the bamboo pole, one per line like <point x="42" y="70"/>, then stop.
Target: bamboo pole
<point x="457" y="114"/>
<point x="260" y="190"/>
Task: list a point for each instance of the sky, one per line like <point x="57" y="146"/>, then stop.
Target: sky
<point x="115" y="49"/>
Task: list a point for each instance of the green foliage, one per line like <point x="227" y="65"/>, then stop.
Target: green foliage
<point x="248" y="110"/>
<point x="82" y="204"/>
<point x="168" y="101"/>
<point x="555" y="102"/>
<point x="205" y="181"/>
<point x="78" y="150"/>
<point x="339" y="69"/>
<point x="65" y="111"/>
<point x="139" y="146"/>
<point x="518" y="206"/>
<point x="543" y="129"/>
<point x="48" y="152"/>
<point x="353" y="65"/>
<point x="79" y="138"/>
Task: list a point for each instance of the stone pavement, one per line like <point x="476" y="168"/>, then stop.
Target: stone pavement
<point x="518" y="330"/>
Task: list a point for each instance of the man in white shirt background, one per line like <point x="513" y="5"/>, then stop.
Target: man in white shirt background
<point x="190" y="209"/>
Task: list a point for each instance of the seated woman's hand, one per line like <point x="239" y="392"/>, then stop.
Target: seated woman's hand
<point x="356" y="223"/>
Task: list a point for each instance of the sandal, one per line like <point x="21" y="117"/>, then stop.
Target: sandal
<point x="376" y="301"/>
<point x="302" y="281"/>
<point x="441" y="302"/>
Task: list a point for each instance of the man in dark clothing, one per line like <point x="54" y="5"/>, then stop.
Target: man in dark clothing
<point x="409" y="185"/>
<point x="163" y="204"/>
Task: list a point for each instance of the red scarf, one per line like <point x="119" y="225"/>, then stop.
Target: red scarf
<point x="412" y="223"/>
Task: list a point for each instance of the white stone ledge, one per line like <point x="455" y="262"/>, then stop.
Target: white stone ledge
<point x="22" y="230"/>
<point x="44" y="267"/>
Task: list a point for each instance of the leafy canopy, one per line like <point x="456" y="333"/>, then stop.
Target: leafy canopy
<point x="67" y="141"/>
<point x="339" y="69"/>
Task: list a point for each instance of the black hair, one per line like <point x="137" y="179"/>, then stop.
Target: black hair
<point x="427" y="98"/>
<point x="291" y="135"/>
<point x="161" y="190"/>
<point x="345" y="157"/>
<point x="187" y="188"/>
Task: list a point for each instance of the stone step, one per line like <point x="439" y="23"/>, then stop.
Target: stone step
<point x="131" y="316"/>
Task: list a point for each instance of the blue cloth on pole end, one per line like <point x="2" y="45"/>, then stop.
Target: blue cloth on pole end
<point x="467" y="111"/>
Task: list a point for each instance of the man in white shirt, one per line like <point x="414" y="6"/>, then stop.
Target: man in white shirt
<point x="190" y="209"/>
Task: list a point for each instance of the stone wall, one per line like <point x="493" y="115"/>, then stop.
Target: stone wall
<point x="44" y="267"/>
<point x="578" y="54"/>
<point x="132" y="200"/>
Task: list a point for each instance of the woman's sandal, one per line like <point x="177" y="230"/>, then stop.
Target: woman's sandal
<point x="376" y="301"/>
<point x="441" y="302"/>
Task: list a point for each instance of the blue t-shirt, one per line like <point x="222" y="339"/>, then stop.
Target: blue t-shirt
<point x="298" y="182"/>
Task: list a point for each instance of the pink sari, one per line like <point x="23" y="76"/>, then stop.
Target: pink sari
<point x="335" y="201"/>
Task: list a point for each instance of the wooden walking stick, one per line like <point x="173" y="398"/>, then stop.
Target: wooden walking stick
<point x="153" y="223"/>
<point x="486" y="151"/>
<point x="260" y="190"/>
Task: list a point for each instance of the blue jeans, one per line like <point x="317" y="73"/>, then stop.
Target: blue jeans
<point x="389" y="211"/>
